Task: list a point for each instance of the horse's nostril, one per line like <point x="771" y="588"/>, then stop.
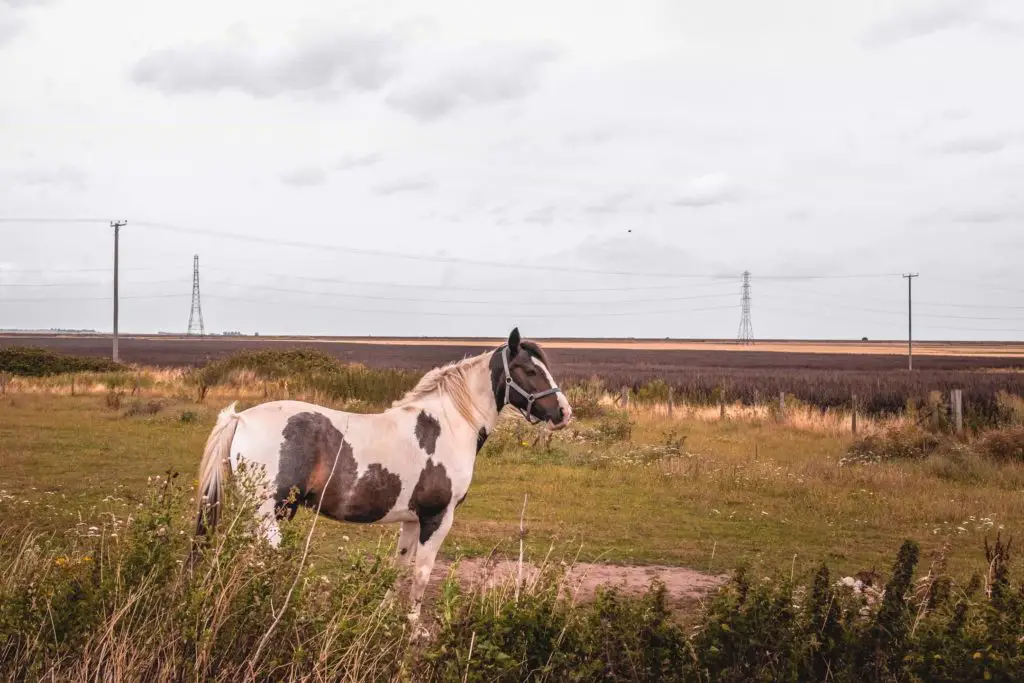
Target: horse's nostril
<point x="560" y="414"/>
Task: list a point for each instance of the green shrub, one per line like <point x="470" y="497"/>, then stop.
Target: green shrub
<point x="1006" y="445"/>
<point x="895" y="444"/>
<point x="31" y="361"/>
<point x="307" y="371"/>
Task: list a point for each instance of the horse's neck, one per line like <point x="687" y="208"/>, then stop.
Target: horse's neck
<point x="484" y="412"/>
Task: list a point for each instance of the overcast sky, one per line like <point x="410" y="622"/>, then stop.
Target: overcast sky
<point x="583" y="139"/>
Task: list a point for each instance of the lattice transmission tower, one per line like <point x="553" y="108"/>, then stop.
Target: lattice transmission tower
<point x="195" y="318"/>
<point x="746" y="335"/>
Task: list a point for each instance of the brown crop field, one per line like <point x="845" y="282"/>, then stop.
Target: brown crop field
<point x="575" y="356"/>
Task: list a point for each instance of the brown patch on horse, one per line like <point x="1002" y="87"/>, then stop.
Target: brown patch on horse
<point x="430" y="498"/>
<point x="373" y="496"/>
<point x="311" y="445"/>
<point x="428" y="429"/>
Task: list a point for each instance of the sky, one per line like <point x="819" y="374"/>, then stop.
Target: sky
<point x="573" y="168"/>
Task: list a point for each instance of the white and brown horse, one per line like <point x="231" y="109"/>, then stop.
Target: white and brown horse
<point x="412" y="463"/>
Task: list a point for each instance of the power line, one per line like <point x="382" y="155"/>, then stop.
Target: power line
<point x="602" y="302"/>
<point x="417" y="257"/>
<point x="92" y="298"/>
<point x="467" y="288"/>
<point x="53" y="220"/>
<point x="939" y="316"/>
<point x="450" y="259"/>
<point x="87" y="283"/>
<point x="473" y="314"/>
<point x="476" y="262"/>
<point x="931" y="304"/>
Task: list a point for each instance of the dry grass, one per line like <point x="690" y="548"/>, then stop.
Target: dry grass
<point x="703" y="494"/>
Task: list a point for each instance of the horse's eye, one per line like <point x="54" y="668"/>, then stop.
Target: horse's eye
<point x="531" y="371"/>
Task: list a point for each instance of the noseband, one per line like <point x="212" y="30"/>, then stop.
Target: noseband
<point x="530" y="398"/>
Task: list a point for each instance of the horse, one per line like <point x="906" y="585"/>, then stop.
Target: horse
<point x="410" y="464"/>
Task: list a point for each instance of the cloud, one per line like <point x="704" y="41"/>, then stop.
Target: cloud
<point x="544" y="215"/>
<point x="923" y="21"/>
<point x="349" y="162"/>
<point x="60" y="176"/>
<point x="938" y="16"/>
<point x="405" y="185"/>
<point x="477" y="78"/>
<point x="10" y="27"/>
<point x="982" y="144"/>
<point x="708" y="190"/>
<point x="324" y="66"/>
<point x="592" y="137"/>
<point x="22" y="4"/>
<point x="305" y="176"/>
<point x="609" y="204"/>
<point x="983" y="216"/>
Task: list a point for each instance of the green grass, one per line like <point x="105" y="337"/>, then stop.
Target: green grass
<point x="710" y="504"/>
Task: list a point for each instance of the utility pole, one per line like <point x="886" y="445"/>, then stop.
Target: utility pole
<point x="116" y="225"/>
<point x="910" y="320"/>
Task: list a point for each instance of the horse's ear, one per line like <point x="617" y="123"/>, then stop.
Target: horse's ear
<point x="513" y="342"/>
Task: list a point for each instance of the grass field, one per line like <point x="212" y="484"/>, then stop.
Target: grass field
<point x="98" y="580"/>
<point x="707" y="495"/>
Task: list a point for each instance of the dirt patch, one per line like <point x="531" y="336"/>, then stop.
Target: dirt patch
<point x="683" y="586"/>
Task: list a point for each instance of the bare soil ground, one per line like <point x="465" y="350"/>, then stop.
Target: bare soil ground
<point x="683" y="586"/>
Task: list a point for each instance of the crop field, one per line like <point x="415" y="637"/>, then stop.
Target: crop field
<point x="631" y="494"/>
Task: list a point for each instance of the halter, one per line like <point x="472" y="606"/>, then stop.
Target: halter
<point x="530" y="398"/>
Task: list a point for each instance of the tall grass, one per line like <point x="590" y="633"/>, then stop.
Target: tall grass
<point x="133" y="599"/>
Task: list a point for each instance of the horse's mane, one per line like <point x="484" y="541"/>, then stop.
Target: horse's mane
<point x="450" y="379"/>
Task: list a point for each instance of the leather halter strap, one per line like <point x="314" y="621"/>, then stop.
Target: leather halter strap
<point x="510" y="385"/>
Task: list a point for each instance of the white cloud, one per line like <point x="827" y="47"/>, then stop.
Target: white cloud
<point x="708" y="190"/>
<point x="475" y="78"/>
<point x="325" y="66"/>
<point x="403" y="185"/>
<point x="305" y="176"/>
<point x="63" y="175"/>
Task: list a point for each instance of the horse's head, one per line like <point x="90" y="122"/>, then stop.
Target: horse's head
<point x="521" y="376"/>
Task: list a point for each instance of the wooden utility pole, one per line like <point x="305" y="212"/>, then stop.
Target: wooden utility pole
<point x="116" y="225"/>
<point x="910" y="323"/>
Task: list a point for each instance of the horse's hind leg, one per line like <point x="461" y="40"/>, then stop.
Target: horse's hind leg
<point x="433" y="531"/>
<point x="267" y="514"/>
<point x="408" y="541"/>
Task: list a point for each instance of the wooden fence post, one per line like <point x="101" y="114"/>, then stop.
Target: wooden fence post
<point x="625" y="397"/>
<point x="671" y="395"/>
<point x="721" y="408"/>
<point x="72" y="385"/>
<point x="782" y="405"/>
<point x="957" y="396"/>
<point x="853" y="419"/>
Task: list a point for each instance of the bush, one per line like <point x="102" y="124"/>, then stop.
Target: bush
<point x="306" y="371"/>
<point x="31" y="361"/>
<point x="1006" y="445"/>
<point x="897" y="443"/>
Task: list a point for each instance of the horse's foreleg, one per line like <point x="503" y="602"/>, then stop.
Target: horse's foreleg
<point x="433" y="531"/>
<point x="408" y="541"/>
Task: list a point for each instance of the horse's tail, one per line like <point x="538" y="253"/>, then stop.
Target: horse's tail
<point x="214" y="469"/>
